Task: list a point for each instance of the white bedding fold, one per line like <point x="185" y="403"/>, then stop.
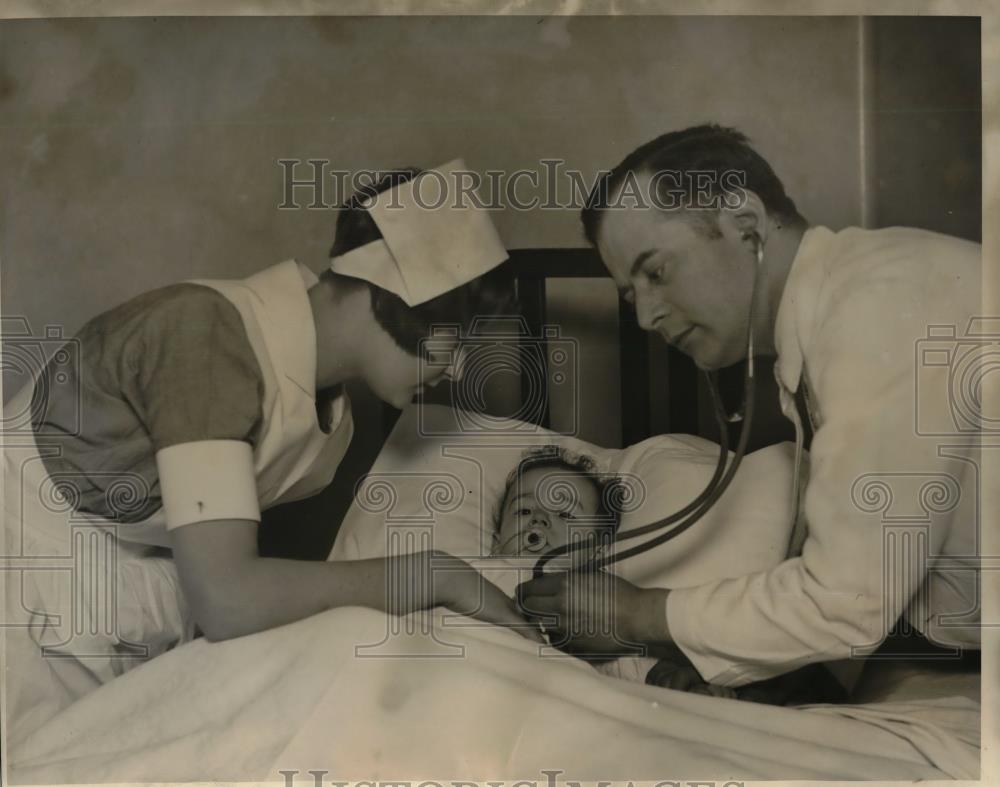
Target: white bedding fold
<point x="303" y="697"/>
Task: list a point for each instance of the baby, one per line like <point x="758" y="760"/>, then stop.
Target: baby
<point x="552" y="498"/>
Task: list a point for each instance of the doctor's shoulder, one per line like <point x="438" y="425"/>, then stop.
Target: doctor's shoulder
<point x="905" y="263"/>
<point x="905" y="246"/>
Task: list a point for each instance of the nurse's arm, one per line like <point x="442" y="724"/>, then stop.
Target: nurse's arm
<point x="233" y="591"/>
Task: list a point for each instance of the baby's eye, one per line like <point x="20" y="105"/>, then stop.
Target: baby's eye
<point x="522" y="512"/>
<point x="566" y="515"/>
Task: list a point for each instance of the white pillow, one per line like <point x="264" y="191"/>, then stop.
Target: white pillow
<point x="747" y="530"/>
<point x="437" y="485"/>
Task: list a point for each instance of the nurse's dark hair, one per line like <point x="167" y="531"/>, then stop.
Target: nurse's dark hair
<point x="488" y="295"/>
<point x="723" y="153"/>
<point x="611" y="491"/>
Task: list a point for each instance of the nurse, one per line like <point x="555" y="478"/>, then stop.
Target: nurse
<point x="684" y="225"/>
<point x="202" y="404"/>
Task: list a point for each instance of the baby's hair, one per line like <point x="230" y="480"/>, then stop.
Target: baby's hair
<point x="610" y="490"/>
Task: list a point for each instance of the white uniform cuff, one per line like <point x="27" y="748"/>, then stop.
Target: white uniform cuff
<point x="207" y="480"/>
<point x="683" y="631"/>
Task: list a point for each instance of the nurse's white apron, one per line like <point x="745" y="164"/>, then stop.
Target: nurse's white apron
<point x="87" y="598"/>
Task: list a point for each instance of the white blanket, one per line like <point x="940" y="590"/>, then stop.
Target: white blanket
<point x="302" y="698"/>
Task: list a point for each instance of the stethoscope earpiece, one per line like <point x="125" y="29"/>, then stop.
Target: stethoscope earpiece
<point x="758" y="245"/>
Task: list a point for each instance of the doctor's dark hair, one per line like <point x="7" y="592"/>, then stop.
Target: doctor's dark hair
<point x="610" y="489"/>
<point x="487" y="295"/>
<point x="718" y="151"/>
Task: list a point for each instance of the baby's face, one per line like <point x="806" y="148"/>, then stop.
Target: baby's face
<point x="548" y="508"/>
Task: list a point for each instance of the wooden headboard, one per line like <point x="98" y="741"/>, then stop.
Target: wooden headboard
<point x="527" y="272"/>
<point x="531" y="268"/>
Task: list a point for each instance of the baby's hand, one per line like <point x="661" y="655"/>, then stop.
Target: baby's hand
<point x="671" y="674"/>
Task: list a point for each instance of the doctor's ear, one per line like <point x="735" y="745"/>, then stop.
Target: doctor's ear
<point x="751" y="222"/>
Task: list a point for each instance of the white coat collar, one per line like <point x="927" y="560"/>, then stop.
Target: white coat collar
<point x="283" y="289"/>
<point x="798" y="301"/>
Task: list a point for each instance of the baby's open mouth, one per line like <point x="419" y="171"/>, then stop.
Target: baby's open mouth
<point x="535" y="540"/>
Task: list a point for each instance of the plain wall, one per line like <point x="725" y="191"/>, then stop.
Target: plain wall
<point x="926" y="108"/>
<point x="139" y="152"/>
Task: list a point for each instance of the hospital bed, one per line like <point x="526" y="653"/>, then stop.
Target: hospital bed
<point x="362" y="696"/>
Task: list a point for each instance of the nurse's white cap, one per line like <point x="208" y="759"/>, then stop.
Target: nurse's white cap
<point x="434" y="238"/>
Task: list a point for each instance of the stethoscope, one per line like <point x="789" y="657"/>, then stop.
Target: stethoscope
<point x="680" y="521"/>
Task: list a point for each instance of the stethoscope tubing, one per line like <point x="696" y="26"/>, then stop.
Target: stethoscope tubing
<point x="717" y="485"/>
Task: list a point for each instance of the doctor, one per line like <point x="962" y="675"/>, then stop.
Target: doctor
<point x="204" y="403"/>
<point x="890" y="509"/>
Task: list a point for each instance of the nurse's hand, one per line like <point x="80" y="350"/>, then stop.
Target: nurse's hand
<point x="462" y="589"/>
<point x="594" y="613"/>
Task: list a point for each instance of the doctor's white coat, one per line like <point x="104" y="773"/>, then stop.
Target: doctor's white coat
<point x="881" y="327"/>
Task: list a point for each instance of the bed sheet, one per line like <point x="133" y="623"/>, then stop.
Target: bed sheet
<point x="339" y="692"/>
